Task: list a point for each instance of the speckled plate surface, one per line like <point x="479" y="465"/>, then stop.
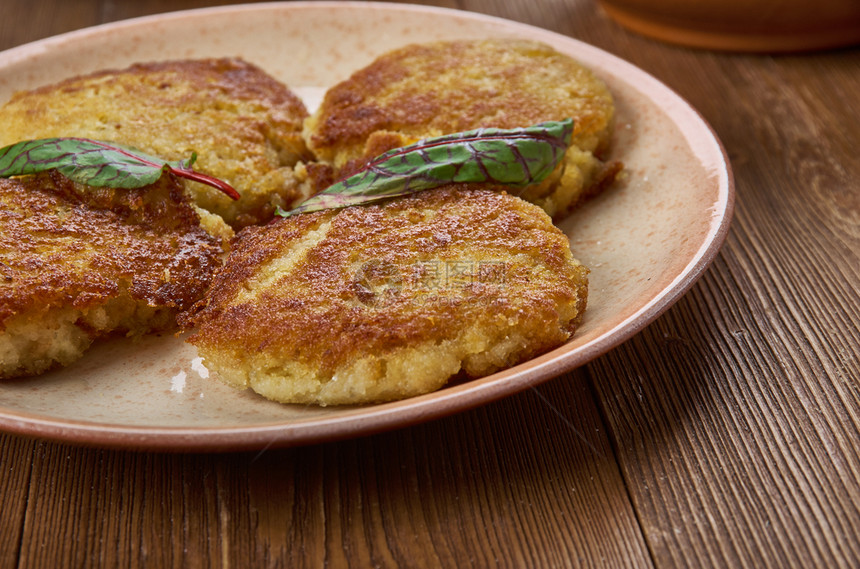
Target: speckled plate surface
<point x="646" y="241"/>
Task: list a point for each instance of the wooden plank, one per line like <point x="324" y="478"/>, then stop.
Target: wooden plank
<point x="15" y="464"/>
<point x="113" y="10"/>
<point x="737" y="415"/>
<point x="529" y="481"/>
<point x="24" y="21"/>
<point x="89" y="507"/>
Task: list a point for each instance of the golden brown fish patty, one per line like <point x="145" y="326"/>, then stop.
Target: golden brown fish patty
<point x="77" y="263"/>
<point x="388" y="301"/>
<point x="245" y="126"/>
<point x="428" y="90"/>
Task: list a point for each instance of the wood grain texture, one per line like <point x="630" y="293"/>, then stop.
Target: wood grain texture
<point x="95" y="508"/>
<point x="528" y="482"/>
<point x="24" y="21"/>
<point x="749" y="457"/>
<point x="16" y="458"/>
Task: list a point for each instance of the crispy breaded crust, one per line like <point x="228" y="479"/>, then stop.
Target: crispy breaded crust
<point x="428" y="90"/>
<point x="245" y="126"/>
<point x="77" y="263"/>
<point x="388" y="301"/>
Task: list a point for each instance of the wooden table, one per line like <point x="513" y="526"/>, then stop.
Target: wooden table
<point x="726" y="434"/>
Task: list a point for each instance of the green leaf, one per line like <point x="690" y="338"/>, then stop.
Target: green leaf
<point x="97" y="163"/>
<point x="512" y="157"/>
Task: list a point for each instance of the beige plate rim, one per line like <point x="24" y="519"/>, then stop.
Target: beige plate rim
<point x="372" y="419"/>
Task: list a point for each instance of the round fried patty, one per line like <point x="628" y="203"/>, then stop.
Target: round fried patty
<point x="78" y="263"/>
<point x="245" y="126"/>
<point x="388" y="301"/>
<point x="428" y="90"/>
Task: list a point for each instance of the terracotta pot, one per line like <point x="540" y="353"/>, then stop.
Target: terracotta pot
<point x="743" y="25"/>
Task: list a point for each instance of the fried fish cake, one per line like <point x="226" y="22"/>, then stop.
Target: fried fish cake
<point x="78" y="263"/>
<point x="383" y="302"/>
<point x="428" y="90"/>
<point x="245" y="126"/>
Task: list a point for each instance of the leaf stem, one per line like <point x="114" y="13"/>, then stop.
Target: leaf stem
<point x="216" y="183"/>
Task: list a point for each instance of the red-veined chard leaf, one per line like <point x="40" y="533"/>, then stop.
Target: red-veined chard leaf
<point x="512" y="157"/>
<point x="97" y="163"/>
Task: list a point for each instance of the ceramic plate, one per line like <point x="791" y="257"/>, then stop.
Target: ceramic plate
<point x="646" y="241"/>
